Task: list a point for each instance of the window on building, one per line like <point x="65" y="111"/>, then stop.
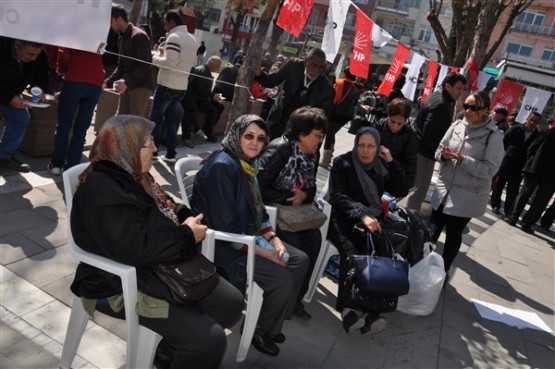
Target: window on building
<point x="214" y="15"/>
<point x="548" y="54"/>
<point x="399" y="29"/>
<point x="427" y="35"/>
<point x="362" y="2"/>
<point x="531" y="17"/>
<point x="515" y="48"/>
<point x="290" y="38"/>
<point x="350" y="21"/>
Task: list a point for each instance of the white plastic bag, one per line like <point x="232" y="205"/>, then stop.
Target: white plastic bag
<point x="426" y="281"/>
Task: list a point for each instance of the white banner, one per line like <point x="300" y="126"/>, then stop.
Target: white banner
<point x="483" y="79"/>
<point x="443" y="70"/>
<point x="77" y="24"/>
<point x="409" y="88"/>
<point x="380" y="37"/>
<point x="534" y="101"/>
<point x="335" y="21"/>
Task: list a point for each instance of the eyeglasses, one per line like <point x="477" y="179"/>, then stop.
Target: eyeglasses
<point x="471" y="107"/>
<point x="250" y="137"/>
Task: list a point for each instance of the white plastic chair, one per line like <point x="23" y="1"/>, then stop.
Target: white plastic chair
<point x="327" y="249"/>
<point x="255" y="294"/>
<point x="141" y="341"/>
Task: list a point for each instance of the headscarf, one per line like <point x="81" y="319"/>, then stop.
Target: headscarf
<point x="368" y="186"/>
<point x="298" y="172"/>
<point x="232" y="144"/>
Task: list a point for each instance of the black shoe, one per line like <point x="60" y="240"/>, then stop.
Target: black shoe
<point x="14" y="164"/>
<point x="510" y="220"/>
<point x="352" y="321"/>
<point x="495" y="210"/>
<point x="546" y="228"/>
<point x="211" y="138"/>
<point x="278" y="338"/>
<point x="527" y="228"/>
<point x="373" y="324"/>
<point x="300" y="312"/>
<point x="265" y="344"/>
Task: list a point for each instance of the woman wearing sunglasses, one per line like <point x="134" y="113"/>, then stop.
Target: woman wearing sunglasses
<point x="470" y="154"/>
<point x="288" y="176"/>
<point x="226" y="191"/>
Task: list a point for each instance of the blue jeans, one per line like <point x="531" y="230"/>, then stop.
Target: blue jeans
<point x="75" y="108"/>
<point x="308" y="241"/>
<point x="165" y="111"/>
<point x="15" y="126"/>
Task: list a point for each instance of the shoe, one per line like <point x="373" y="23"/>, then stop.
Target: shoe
<point x="546" y="228"/>
<point x="168" y="159"/>
<point x="56" y="171"/>
<point x="527" y="228"/>
<point x="510" y="220"/>
<point x="278" y="338"/>
<point x="352" y="321"/>
<point x="265" y="344"/>
<point x="495" y="210"/>
<point x="15" y="164"/>
<point x="373" y="324"/>
<point x="189" y="143"/>
<point x="200" y="134"/>
<point x="212" y="138"/>
<point x="300" y="312"/>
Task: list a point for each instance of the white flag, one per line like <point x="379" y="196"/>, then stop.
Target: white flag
<point x="483" y="79"/>
<point x="380" y="37"/>
<point x="335" y="21"/>
<point x="534" y="101"/>
<point x="409" y="89"/>
<point x="77" y="24"/>
<point x="443" y="70"/>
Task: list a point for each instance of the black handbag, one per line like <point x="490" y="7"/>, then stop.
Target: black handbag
<point x="190" y="280"/>
<point x="380" y="275"/>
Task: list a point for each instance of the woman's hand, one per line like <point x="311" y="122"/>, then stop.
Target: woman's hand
<point x="298" y="196"/>
<point x="447" y="154"/>
<point x="371" y="223"/>
<point x="199" y="229"/>
<point x="385" y="154"/>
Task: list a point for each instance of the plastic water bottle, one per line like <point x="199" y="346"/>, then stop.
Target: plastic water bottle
<point x="392" y="204"/>
<point x="285" y="257"/>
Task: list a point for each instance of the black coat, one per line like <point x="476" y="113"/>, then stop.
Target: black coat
<point x="348" y="201"/>
<point x="200" y="88"/>
<point x="432" y="122"/>
<point x="516" y="148"/>
<point x="113" y="216"/>
<point x="541" y="156"/>
<point x="271" y="163"/>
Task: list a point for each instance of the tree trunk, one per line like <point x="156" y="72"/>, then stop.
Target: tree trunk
<point x="277" y="32"/>
<point x="135" y="11"/>
<point x="240" y="104"/>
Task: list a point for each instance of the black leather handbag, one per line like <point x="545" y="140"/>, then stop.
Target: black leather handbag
<point x="190" y="280"/>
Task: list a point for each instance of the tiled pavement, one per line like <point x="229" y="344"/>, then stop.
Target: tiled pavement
<point x="498" y="264"/>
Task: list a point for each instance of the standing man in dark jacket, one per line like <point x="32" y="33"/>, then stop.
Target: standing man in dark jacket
<point x="432" y="122"/>
<point x="517" y="140"/>
<point x="304" y="84"/>
<point x="18" y="68"/>
<point x="132" y="79"/>
<point x="500" y="117"/>
<point x="199" y="97"/>
<point x="538" y="174"/>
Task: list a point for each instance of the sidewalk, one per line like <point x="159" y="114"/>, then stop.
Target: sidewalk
<point x="497" y="264"/>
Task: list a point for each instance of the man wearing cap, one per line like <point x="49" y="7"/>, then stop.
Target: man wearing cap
<point x="517" y="140"/>
<point x="511" y="119"/>
<point x="500" y="117"/>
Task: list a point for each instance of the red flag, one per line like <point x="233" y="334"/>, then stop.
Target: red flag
<point x="454" y="70"/>
<point x="430" y="78"/>
<point x="360" y="57"/>
<point x="394" y="70"/>
<point x="473" y="71"/>
<point x="293" y="15"/>
<point x="507" y="94"/>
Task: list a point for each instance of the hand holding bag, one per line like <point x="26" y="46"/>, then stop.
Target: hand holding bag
<point x="190" y="280"/>
<point x="382" y="275"/>
<point x="294" y="218"/>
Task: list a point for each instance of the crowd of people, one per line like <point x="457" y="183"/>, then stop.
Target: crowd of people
<point x="120" y="212"/>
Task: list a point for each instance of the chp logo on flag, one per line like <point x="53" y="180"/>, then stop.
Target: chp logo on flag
<point x="361" y="43"/>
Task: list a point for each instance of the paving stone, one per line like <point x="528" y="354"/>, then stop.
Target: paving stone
<point x="59" y="289"/>
<point x="7" y="363"/>
<point x="15" y="247"/>
<point x="50" y="319"/>
<point x="22" y="219"/>
<point x="55" y="210"/>
<point x="102" y="348"/>
<point x="21" y="297"/>
<point x="410" y="350"/>
<point x="49" y="236"/>
<point x="29" y="355"/>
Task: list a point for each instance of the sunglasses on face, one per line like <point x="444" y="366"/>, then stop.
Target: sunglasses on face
<point x="471" y="107"/>
<point x="250" y="137"/>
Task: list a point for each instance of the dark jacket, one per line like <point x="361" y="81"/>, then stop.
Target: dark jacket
<point x="320" y="92"/>
<point x="403" y="146"/>
<point x="113" y="216"/>
<point x="200" y="88"/>
<point x="15" y="76"/>
<point x="516" y="148"/>
<point x="346" y="104"/>
<point x="221" y="192"/>
<point x="271" y="163"/>
<point x="229" y="75"/>
<point x="432" y="122"/>
<point x="348" y="201"/>
<point x="134" y="42"/>
<point x="541" y="156"/>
